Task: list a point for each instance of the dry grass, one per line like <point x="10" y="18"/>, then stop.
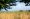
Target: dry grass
<point x="14" y="15"/>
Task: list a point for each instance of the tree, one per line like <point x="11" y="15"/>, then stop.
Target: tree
<point x="4" y="2"/>
<point x="21" y="11"/>
<point x="29" y="10"/>
<point x="12" y="0"/>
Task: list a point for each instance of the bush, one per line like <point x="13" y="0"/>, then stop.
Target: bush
<point x="21" y="11"/>
<point x="28" y="10"/>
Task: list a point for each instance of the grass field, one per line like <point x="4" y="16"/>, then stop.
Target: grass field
<point x="15" y="15"/>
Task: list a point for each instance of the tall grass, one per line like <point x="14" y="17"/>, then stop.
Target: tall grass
<point x="15" y="15"/>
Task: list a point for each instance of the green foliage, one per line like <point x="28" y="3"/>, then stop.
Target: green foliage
<point x="21" y="11"/>
<point x="6" y="1"/>
<point x="28" y="10"/>
<point x="3" y="3"/>
<point x="12" y="0"/>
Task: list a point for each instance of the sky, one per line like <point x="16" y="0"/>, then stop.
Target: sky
<point x="19" y="6"/>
